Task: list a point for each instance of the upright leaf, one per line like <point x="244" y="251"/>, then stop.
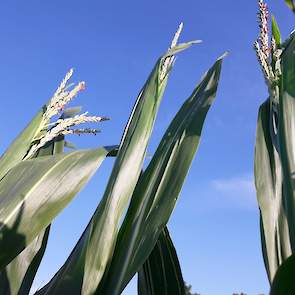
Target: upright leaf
<point x="284" y="283"/>
<point x="161" y="272"/>
<point x="269" y="181"/>
<point x="83" y="270"/>
<point x="275" y="31"/>
<point x="275" y="165"/>
<point x="287" y="134"/>
<point x="157" y="190"/>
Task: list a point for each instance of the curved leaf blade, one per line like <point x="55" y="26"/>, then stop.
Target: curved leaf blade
<point x="287" y="131"/>
<point x="275" y="31"/>
<point x="35" y="191"/>
<point x="269" y="182"/>
<point x="157" y="190"/>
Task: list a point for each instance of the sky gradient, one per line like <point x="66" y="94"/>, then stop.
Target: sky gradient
<point x="113" y="46"/>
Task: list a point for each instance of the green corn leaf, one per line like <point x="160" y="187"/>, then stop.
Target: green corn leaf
<point x="161" y="272"/>
<point x="19" y="148"/>
<point x="275" y="31"/>
<point x="275" y="167"/>
<point x="284" y="283"/>
<point x="157" y="190"/>
<point x="286" y="115"/>
<point x="35" y="191"/>
<point x="180" y="47"/>
<point x="291" y="4"/>
<point x="286" y="136"/>
<point x="18" y="276"/>
<point x="82" y="272"/>
<point x="268" y="181"/>
<point x="287" y="42"/>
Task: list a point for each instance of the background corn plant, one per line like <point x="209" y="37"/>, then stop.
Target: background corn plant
<point x="274" y="153"/>
<point x="38" y="180"/>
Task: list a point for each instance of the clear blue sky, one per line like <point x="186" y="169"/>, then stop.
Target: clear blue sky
<point x="113" y="45"/>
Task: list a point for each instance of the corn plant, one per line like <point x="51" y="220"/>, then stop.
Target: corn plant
<point x="275" y="146"/>
<point x="35" y="186"/>
<point x="38" y="180"/>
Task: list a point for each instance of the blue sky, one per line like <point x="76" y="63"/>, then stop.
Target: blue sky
<point x="113" y="45"/>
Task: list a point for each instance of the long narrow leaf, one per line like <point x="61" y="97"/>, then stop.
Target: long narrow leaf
<point x="161" y="272"/>
<point x="86" y="265"/>
<point x="284" y="283"/>
<point x="287" y="134"/>
<point x="18" y="276"/>
<point x="19" y="148"/>
<point x="159" y="186"/>
<point x="35" y="191"/>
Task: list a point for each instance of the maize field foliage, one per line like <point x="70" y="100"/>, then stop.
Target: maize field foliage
<point x="127" y="233"/>
<point x="275" y="155"/>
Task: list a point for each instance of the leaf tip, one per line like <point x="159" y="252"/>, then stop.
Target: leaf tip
<point x="176" y="36"/>
<point x="225" y="54"/>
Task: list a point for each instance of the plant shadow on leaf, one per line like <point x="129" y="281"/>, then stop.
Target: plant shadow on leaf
<point x="18" y="238"/>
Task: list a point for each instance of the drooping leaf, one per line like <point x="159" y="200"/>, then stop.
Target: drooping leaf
<point x="161" y="272"/>
<point x="18" y="275"/>
<point x="157" y="190"/>
<point x="19" y="148"/>
<point x="71" y="112"/>
<point x="275" y="31"/>
<point x="104" y="223"/>
<point x="35" y="191"/>
<point x="284" y="283"/>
